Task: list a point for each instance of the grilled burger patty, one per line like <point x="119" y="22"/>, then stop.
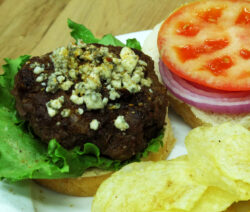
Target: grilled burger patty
<point x="106" y="95"/>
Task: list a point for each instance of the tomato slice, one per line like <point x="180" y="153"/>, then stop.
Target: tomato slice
<point x="208" y="42"/>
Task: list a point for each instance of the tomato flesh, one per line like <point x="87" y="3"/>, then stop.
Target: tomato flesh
<point x="211" y="15"/>
<point x="211" y="47"/>
<point x="218" y="65"/>
<point x="244" y="17"/>
<point x="190" y="52"/>
<point x="245" y="54"/>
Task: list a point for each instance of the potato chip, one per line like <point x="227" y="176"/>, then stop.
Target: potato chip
<point x="214" y="199"/>
<point x="150" y="186"/>
<point x="213" y="176"/>
<point x="220" y="156"/>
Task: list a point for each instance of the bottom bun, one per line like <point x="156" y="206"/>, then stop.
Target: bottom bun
<point x="196" y="117"/>
<point x="88" y="183"/>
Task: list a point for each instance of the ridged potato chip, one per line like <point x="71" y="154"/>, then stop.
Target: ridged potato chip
<point x="214" y="199"/>
<point x="220" y="157"/>
<point x="149" y="186"/>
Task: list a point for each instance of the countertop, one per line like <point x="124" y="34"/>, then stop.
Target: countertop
<point x="35" y="27"/>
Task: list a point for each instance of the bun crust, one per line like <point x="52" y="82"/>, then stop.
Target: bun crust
<point x="88" y="183"/>
<point x="185" y="112"/>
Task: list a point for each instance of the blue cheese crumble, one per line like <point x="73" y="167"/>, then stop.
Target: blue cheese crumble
<point x="38" y="70"/>
<point x="94" y="124"/>
<point x="54" y="105"/>
<point x="80" y="111"/>
<point x="121" y="124"/>
<point x="65" y="113"/>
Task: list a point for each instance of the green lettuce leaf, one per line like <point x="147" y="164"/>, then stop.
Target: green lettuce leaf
<point x="154" y="145"/>
<point x="80" y="32"/>
<point x="110" y="40"/>
<point x="23" y="156"/>
<point x="133" y="43"/>
<point x="7" y="80"/>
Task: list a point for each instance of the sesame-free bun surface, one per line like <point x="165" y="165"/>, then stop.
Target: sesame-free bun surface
<point x="88" y="183"/>
<point x="190" y="114"/>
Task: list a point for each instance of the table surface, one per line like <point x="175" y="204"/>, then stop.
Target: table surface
<point x="38" y="26"/>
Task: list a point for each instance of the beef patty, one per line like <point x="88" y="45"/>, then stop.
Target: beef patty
<point x="109" y="96"/>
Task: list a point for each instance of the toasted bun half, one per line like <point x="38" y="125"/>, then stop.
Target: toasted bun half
<point x="88" y="183"/>
<point x="190" y="114"/>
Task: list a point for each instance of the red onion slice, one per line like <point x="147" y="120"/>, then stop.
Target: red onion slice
<point x="204" y="98"/>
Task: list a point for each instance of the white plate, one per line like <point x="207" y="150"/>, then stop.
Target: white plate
<point x="29" y="197"/>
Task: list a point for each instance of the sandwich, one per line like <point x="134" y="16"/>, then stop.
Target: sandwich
<point x="73" y="116"/>
<point x="202" y="54"/>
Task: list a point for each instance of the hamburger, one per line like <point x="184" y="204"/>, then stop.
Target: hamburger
<point x="201" y="52"/>
<point x="76" y="114"/>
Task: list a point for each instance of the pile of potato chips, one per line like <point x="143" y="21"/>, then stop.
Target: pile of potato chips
<point x="214" y="176"/>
